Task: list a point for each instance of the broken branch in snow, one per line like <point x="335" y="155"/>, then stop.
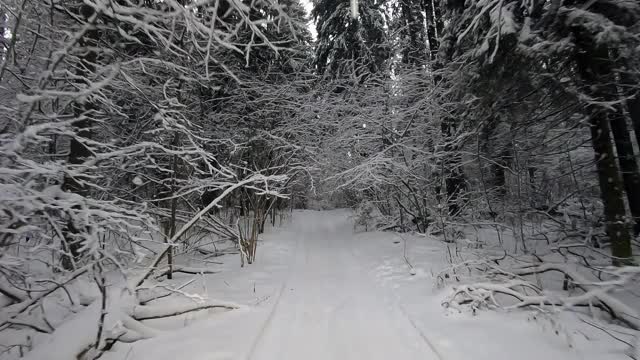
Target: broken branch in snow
<point x="144" y="297"/>
<point x="185" y="270"/>
<point x="146" y="312"/>
<point x="11" y="312"/>
<point x="29" y="325"/>
<point x="513" y="283"/>
<point x="15" y="295"/>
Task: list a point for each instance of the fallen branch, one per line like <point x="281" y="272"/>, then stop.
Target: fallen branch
<point x="15" y="295"/>
<point x="123" y="322"/>
<point x="29" y="325"/>
<point x="513" y="284"/>
<point x="148" y="312"/>
<point x="185" y="270"/>
<point x="144" y="299"/>
<point x="11" y="312"/>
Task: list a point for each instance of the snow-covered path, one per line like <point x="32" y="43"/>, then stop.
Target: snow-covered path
<point x="319" y="291"/>
<point x="330" y="308"/>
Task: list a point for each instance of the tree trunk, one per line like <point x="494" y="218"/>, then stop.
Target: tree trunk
<point x="433" y="16"/>
<point x="490" y="144"/>
<point x="595" y="70"/>
<point x="174" y="205"/>
<point x="454" y="178"/>
<point x="3" y="27"/>
<point x="78" y="152"/>
<point x="499" y="178"/>
<point x="631" y="89"/>
<point x="633" y="105"/>
<point x="628" y="165"/>
<point x="610" y="189"/>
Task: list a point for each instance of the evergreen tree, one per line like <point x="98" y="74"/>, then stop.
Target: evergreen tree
<point x="350" y="43"/>
<point x="573" y="48"/>
<point x="409" y="23"/>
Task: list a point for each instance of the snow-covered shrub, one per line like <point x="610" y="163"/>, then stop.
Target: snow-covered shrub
<point x="364" y="215"/>
<point x="106" y="143"/>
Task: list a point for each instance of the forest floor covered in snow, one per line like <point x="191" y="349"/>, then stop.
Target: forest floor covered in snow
<point x="320" y="290"/>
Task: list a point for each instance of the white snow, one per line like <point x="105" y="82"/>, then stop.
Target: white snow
<point x="354" y="9"/>
<point x="319" y="291"/>
<point x="137" y="181"/>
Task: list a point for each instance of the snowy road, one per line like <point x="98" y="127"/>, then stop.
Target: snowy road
<point x="320" y="292"/>
<point x="330" y="308"/>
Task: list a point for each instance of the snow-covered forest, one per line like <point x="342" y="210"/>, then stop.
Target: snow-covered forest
<point x="335" y="179"/>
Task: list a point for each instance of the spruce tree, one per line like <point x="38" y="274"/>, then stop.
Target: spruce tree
<point x="350" y="43"/>
<point x="575" y="49"/>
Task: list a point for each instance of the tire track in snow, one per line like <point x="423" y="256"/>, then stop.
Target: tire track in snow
<point x="266" y="323"/>
<point x="419" y="331"/>
<point x="272" y="312"/>
<point x="341" y="327"/>
<point x="395" y="303"/>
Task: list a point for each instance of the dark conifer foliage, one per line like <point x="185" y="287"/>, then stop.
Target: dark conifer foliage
<point x="349" y="44"/>
<point x="574" y="50"/>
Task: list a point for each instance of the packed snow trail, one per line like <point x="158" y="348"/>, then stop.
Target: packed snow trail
<point x="329" y="308"/>
<point x="320" y="291"/>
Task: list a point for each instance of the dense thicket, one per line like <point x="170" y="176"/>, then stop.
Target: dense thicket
<point x="512" y="111"/>
<point x="129" y="128"/>
<point x="128" y="124"/>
